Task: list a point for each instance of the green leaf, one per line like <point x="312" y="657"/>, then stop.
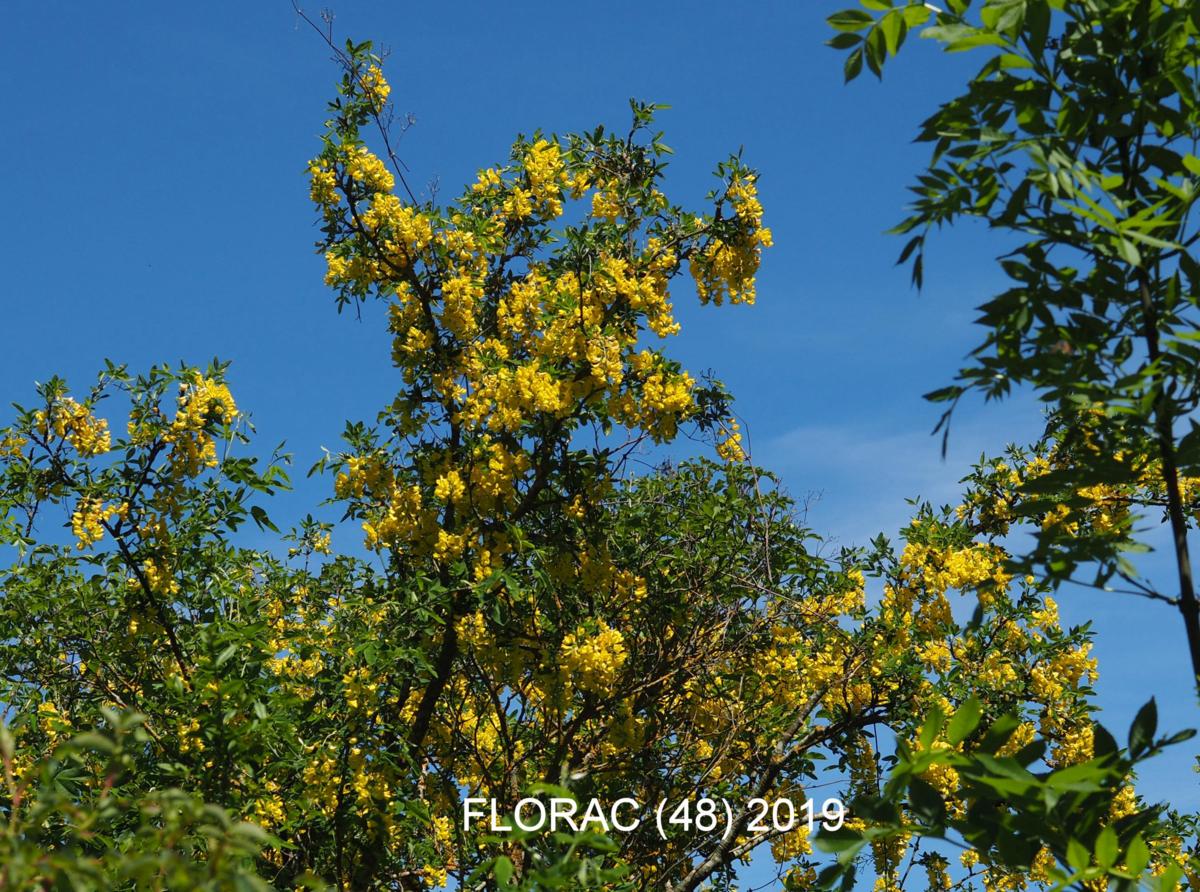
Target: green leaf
<point x="503" y="870"/>
<point x="876" y="47"/>
<point x="964" y="721"/>
<point x="1084" y="777"/>
<point x="1013" y="60"/>
<point x="845" y="843"/>
<point x="976" y="39"/>
<point x="1037" y="26"/>
<point x="844" y="41"/>
<point x="926" y="803"/>
<point x="912" y="245"/>
<point x="1137" y="856"/>
<point x="7" y="744"/>
<point x="854" y="64"/>
<point x="894" y="28"/>
<point x="1003" y="15"/>
<point x="261" y="518"/>
<point x="91" y="740"/>
<point x="1077" y="855"/>
<point x="949" y="33"/>
<point x="998" y="733"/>
<point x="1128" y="252"/>
<point x="225" y="655"/>
<point x="931" y="728"/>
<point x="1141" y="732"/>
<point x="850" y="20"/>
<point x="1107" y="848"/>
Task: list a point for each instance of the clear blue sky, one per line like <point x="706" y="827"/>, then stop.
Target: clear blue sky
<point x="156" y="210"/>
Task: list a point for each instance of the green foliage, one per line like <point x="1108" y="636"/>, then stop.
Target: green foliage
<point x="79" y="820"/>
<point x="1077" y="135"/>
<point x="1054" y="824"/>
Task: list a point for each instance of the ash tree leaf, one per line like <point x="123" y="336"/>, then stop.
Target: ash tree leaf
<point x="1141" y="732"/>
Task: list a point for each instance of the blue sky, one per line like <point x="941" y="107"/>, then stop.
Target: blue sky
<point x="157" y="211"/>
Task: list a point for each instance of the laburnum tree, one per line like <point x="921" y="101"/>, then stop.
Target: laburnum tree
<point x="184" y="711"/>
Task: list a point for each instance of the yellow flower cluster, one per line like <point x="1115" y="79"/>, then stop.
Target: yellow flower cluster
<point x="492" y="752"/>
<point x="1064" y="672"/>
<point x="626" y="730"/>
<point x="189" y="736"/>
<point x="203" y="403"/>
<point x="322" y="184"/>
<point x="367" y="171"/>
<point x="1072" y="744"/>
<point x="972" y="567"/>
<point x="488" y="180"/>
<point x="11" y="445"/>
<point x="1043" y="863"/>
<point x="729" y="447"/>
<point x="937" y="876"/>
<point x="942" y="778"/>
<point x="780" y="665"/>
<point x="593" y="661"/>
<point x="935" y="654"/>
<point x="402" y="231"/>
<point x="1125" y="803"/>
<point x="791" y="845"/>
<point x="450" y="488"/>
<point x="1046" y="619"/>
<point x="448" y="546"/>
<point x="89" y="517"/>
<point x="159" y="576"/>
<point x="268" y="810"/>
<point x="359" y="686"/>
<point x="435" y="877"/>
<point x="996" y="670"/>
<point x="606" y="205"/>
<point x="1100" y="509"/>
<point x="725" y="269"/>
<point x="375" y="88"/>
<point x="1058" y="517"/>
<point x="547" y="176"/>
<point x="322" y="778"/>
<point x="363" y="475"/>
<point x="743" y="193"/>
<point x="886" y="852"/>
<point x="53" y="723"/>
<point x="1021" y="737"/>
<point x="75" y="422"/>
<point x="406" y="519"/>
